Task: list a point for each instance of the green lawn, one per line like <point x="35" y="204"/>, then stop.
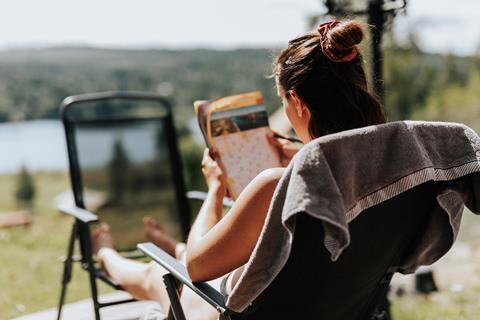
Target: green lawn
<point x="31" y="263"/>
<point x="31" y="256"/>
<point x="439" y="306"/>
<point x="31" y="266"/>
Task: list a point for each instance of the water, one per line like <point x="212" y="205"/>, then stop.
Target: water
<point x="39" y="145"/>
<point x="138" y="141"/>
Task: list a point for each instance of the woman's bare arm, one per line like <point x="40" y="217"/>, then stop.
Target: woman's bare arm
<point x="218" y="245"/>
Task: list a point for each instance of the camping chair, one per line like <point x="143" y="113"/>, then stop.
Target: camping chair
<point x="124" y="163"/>
<point x="386" y="234"/>
<point x="311" y="286"/>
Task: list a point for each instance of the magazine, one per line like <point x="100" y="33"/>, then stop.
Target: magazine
<point x="237" y="127"/>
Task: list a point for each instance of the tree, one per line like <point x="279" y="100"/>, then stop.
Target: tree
<point x="119" y="173"/>
<point x="25" y="192"/>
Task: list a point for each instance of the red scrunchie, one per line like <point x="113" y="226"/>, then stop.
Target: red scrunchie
<point x="328" y="50"/>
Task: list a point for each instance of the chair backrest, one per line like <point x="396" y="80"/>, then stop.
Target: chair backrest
<point x="311" y="286"/>
<point x="124" y="162"/>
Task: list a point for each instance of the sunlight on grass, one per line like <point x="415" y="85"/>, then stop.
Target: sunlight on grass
<point x="444" y="305"/>
<point x="31" y="262"/>
<point x="31" y="256"/>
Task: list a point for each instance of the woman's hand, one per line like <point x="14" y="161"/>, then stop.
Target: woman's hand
<point x="286" y="149"/>
<point x="213" y="172"/>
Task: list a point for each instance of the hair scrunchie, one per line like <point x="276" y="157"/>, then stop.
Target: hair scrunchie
<point x="328" y="50"/>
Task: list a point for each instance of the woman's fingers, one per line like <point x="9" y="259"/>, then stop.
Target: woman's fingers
<point x="285" y="148"/>
<point x="275" y="142"/>
<point x="206" y="161"/>
<point x="206" y="156"/>
<point x="213" y="153"/>
<point x="212" y="169"/>
<point x="276" y="133"/>
<point x="280" y="144"/>
<point x="272" y="140"/>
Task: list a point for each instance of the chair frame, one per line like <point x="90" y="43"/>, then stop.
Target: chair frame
<point x="176" y="277"/>
<point x="376" y="307"/>
<point x="83" y="218"/>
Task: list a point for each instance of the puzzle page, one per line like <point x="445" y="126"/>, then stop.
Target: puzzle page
<point x="240" y="136"/>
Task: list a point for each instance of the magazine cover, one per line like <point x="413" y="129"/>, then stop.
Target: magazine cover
<point x="237" y="127"/>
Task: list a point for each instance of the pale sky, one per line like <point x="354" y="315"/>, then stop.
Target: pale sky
<point x="443" y="25"/>
<point x="213" y="23"/>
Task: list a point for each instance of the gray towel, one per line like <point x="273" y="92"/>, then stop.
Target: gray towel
<point x="336" y="177"/>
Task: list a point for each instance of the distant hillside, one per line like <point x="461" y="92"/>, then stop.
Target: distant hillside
<point x="34" y="82"/>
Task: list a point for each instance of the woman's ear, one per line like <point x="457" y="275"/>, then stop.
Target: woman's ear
<point x="299" y="105"/>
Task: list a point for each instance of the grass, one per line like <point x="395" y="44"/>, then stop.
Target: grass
<point x="31" y="256"/>
<point x="31" y="268"/>
<point x="439" y="306"/>
<point x="459" y="268"/>
<point x="31" y="264"/>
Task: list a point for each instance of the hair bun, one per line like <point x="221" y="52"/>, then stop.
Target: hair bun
<point x="344" y="35"/>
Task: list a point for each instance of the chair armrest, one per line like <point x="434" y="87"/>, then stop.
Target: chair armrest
<point x="78" y="213"/>
<point x="201" y="195"/>
<point x="179" y="272"/>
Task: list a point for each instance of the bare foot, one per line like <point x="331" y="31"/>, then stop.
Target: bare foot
<point x="155" y="233"/>
<point x="102" y="238"/>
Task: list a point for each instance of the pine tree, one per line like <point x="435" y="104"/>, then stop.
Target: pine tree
<point x="119" y="173"/>
<point x="25" y="192"/>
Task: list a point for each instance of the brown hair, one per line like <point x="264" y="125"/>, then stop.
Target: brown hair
<point x="336" y="93"/>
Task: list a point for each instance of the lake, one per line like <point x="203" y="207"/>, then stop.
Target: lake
<point x="38" y="145"/>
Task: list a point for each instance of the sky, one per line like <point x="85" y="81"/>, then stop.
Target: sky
<point x="214" y="23"/>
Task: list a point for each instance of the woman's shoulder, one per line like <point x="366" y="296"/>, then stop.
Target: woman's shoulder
<point x="265" y="180"/>
<point x="270" y="175"/>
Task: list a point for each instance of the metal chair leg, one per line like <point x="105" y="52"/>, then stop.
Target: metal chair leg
<point x="173" y="291"/>
<point x="88" y="264"/>
<point x="67" y="269"/>
<point x="93" y="287"/>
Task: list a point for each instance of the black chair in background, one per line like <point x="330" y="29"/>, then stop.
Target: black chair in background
<point x="124" y="164"/>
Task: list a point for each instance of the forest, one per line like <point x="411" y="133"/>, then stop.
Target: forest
<point x="33" y="82"/>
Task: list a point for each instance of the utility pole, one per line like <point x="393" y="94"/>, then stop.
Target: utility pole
<point x="377" y="12"/>
<point x="376" y="20"/>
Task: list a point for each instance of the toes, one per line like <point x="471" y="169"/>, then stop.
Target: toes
<point x="105" y="227"/>
<point x="102" y="228"/>
<point x="102" y="236"/>
<point x="149" y="220"/>
<point x="97" y="232"/>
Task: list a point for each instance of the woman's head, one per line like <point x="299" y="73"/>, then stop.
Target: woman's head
<point x="322" y="82"/>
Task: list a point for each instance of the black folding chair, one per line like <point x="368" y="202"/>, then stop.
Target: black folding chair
<point x="124" y="164"/>
<point x="311" y="286"/>
<point x="401" y="222"/>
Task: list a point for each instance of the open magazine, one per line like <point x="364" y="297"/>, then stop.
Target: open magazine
<point x="237" y="127"/>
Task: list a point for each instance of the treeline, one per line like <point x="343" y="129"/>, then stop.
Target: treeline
<point x="33" y="82"/>
<point x="432" y="87"/>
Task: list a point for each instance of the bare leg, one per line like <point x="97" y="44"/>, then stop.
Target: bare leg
<point x="155" y="233"/>
<point x="144" y="281"/>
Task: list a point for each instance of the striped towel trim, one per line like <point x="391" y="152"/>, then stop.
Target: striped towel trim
<point x="408" y="182"/>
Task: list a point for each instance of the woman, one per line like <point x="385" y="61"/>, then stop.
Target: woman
<point x="321" y="80"/>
